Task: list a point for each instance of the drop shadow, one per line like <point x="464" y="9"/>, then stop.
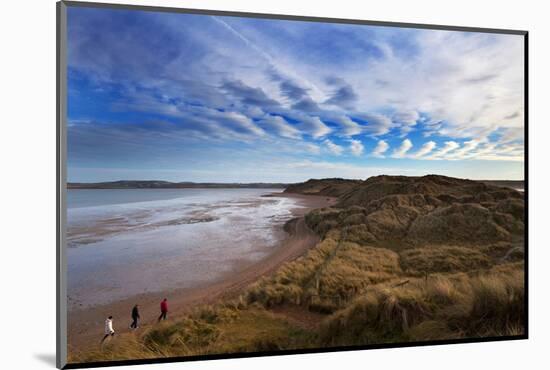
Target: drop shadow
<point x="47" y="358"/>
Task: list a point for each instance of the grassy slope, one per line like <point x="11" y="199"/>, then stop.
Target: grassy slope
<point x="377" y="276"/>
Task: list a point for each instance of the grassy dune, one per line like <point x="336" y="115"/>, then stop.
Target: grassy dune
<point x="446" y="306"/>
<point x="395" y="265"/>
<point x="224" y="328"/>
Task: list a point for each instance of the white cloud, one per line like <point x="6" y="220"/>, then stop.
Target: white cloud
<point x="333" y="148"/>
<point x="465" y="151"/>
<point x="349" y="127"/>
<point x="510" y="134"/>
<point x="480" y="150"/>
<point x="314" y="126"/>
<point x="281" y="127"/>
<point x="244" y="122"/>
<point x="208" y="123"/>
<point x="377" y="124"/>
<point x="489" y="151"/>
<point x="380" y="149"/>
<point x="313" y="149"/>
<point x="406" y="117"/>
<point x="405" y="146"/>
<point x="466" y="81"/>
<point x="254" y="112"/>
<point x="425" y="149"/>
<point x="356" y="147"/>
<point x="449" y="147"/>
<point x="274" y="63"/>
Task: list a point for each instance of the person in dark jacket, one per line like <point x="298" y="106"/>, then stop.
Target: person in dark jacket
<point x="163" y="309"/>
<point x="135" y="317"/>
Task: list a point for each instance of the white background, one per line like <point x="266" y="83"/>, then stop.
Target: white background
<point x="27" y="180"/>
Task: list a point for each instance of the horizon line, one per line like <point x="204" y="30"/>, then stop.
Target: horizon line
<point x="275" y="182"/>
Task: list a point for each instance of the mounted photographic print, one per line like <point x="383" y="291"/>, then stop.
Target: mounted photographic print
<point x="235" y="184"/>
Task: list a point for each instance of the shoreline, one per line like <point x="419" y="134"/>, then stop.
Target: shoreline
<point x="85" y="326"/>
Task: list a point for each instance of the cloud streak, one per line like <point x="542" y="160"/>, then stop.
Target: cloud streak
<point x="333" y="148"/>
<point x="380" y="149"/>
<point x="356" y="148"/>
<point x="405" y="146"/>
<point x="281" y="127"/>
<point x="425" y="149"/>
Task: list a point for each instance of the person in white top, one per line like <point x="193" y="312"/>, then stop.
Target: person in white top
<point x="109" y="331"/>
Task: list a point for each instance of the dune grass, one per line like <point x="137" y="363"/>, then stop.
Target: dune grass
<point x="442" y="307"/>
<point x="327" y="276"/>
<point x="442" y="258"/>
<point x="288" y="283"/>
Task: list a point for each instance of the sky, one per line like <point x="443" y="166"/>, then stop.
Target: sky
<point x="181" y="97"/>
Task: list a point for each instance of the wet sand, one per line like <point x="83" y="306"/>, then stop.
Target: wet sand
<point x="85" y="326"/>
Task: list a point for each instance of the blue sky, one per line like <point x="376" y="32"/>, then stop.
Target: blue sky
<point x="183" y="97"/>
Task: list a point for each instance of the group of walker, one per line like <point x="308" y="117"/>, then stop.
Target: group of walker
<point x="109" y="331"/>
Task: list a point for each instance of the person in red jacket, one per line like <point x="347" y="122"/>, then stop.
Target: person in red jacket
<point x="163" y="309"/>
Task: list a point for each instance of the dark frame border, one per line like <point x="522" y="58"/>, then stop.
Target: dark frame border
<point x="61" y="182"/>
<point x="61" y="185"/>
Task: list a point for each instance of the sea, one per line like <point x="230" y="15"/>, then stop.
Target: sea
<point x="125" y="242"/>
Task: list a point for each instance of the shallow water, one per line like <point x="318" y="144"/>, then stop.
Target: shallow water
<point x="126" y="242"/>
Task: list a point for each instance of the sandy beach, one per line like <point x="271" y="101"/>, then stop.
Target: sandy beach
<point x="85" y="326"/>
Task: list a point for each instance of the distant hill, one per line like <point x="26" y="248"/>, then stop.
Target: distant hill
<point x="333" y="187"/>
<point x="430" y="184"/>
<point x="153" y="184"/>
